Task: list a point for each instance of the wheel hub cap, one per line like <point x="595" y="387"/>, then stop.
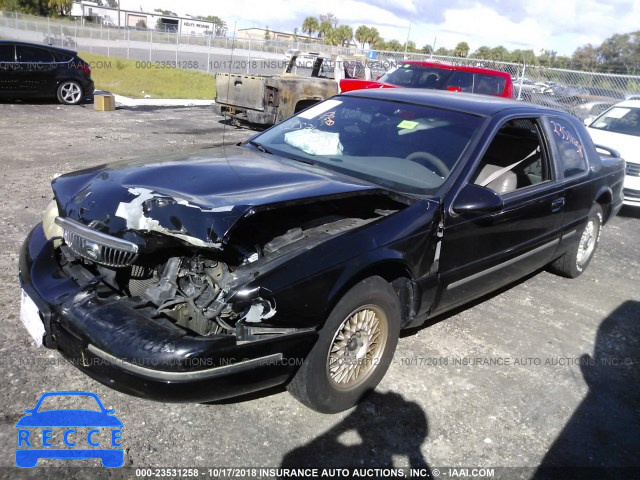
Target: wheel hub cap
<point x="357" y="347"/>
<point x="587" y="243"/>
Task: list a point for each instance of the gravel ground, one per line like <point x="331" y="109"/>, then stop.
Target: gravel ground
<point x="498" y="384"/>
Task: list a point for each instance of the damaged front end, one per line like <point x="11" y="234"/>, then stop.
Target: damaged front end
<point x="161" y="293"/>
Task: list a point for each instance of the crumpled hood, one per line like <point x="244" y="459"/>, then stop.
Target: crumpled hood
<point x="198" y="198"/>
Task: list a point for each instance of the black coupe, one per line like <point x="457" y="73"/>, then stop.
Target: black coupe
<point x="298" y="256"/>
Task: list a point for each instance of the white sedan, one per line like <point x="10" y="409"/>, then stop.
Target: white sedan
<point x="619" y="128"/>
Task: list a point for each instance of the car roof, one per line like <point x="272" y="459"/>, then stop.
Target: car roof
<point x="450" y="66"/>
<point x="629" y="103"/>
<point x="39" y="45"/>
<point x="483" y="105"/>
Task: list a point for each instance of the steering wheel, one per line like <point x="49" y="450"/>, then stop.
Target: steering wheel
<point x="439" y="166"/>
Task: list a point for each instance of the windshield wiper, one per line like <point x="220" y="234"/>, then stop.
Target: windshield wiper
<point x="260" y="147"/>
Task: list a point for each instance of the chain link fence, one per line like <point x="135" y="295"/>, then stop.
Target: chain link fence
<point x="584" y="94"/>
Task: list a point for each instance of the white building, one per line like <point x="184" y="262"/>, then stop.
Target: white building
<point x="91" y="11"/>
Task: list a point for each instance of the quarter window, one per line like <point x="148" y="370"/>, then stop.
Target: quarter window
<point x="572" y="155"/>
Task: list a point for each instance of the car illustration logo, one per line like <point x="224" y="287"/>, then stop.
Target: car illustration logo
<point x="69" y="433"/>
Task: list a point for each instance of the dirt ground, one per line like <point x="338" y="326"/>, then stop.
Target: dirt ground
<point x="546" y="372"/>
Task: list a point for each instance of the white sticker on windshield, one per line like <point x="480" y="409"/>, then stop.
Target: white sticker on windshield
<point x="313" y="112"/>
<point x="618" y="112"/>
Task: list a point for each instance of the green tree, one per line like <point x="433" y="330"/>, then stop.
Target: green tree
<point x="343" y="35"/>
<point x="547" y="58"/>
<point x="499" y="53"/>
<point x="483" y="53"/>
<point x="428" y="49"/>
<point x="443" y="52"/>
<point x="267" y="33"/>
<point x="325" y="30"/>
<point x="310" y="25"/>
<point x="585" y="57"/>
<point x="362" y="35"/>
<point x="378" y="44"/>
<point x="60" y="7"/>
<point x="374" y="37"/>
<point x="219" y="25"/>
<point x="461" y="50"/>
<point x="166" y="13"/>
<point x="410" y="46"/>
<point x="621" y="53"/>
<point x="393" y="46"/>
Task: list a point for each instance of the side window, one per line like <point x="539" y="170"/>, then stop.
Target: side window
<point x="489" y="85"/>
<point x="33" y="55"/>
<point x="462" y="81"/>
<point x="515" y="158"/>
<point x="7" y="53"/>
<point x="572" y="157"/>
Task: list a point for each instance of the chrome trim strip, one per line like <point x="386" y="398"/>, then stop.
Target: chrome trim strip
<point x="501" y="265"/>
<point x="185" y="376"/>
<point x="92" y="235"/>
<point x="570" y="234"/>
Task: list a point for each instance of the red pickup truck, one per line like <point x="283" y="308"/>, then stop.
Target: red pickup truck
<point x="439" y="76"/>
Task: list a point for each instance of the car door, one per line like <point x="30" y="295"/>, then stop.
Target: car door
<point x="8" y="80"/>
<point x="36" y="70"/>
<point x="482" y="250"/>
<point x="573" y="171"/>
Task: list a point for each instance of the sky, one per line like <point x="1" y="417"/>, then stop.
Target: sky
<point x="560" y="25"/>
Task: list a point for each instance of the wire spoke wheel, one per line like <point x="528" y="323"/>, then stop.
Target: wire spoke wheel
<point x="587" y="242"/>
<point x="357" y="347"/>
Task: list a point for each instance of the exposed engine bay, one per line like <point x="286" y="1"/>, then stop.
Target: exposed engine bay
<point x="201" y="289"/>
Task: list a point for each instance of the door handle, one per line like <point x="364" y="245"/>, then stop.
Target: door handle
<point x="557" y="204"/>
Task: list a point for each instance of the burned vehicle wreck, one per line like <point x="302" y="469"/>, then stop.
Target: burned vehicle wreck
<point x="298" y="256"/>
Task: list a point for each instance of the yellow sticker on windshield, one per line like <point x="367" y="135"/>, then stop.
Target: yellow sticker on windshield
<point x="408" y="124"/>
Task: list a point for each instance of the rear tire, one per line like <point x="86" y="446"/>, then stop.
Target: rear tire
<point x="573" y="263"/>
<point x="70" y="93"/>
<point x="353" y="351"/>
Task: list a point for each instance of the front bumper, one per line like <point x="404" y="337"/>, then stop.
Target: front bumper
<point x="118" y="342"/>
<point x="632" y="190"/>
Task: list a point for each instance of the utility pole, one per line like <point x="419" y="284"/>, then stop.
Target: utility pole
<point x="406" y="44"/>
<point x="118" y="14"/>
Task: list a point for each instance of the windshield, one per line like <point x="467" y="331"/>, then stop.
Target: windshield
<point x="403" y="147"/>
<point x="417" y="76"/>
<point x="625" y="120"/>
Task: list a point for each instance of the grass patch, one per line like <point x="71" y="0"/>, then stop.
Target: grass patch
<point x="126" y="77"/>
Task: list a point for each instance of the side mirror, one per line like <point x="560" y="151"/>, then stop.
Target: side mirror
<point x="109" y="411"/>
<point x="476" y="199"/>
<point x="588" y="120"/>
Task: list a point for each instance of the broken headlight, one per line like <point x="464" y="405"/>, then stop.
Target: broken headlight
<point x="50" y="228"/>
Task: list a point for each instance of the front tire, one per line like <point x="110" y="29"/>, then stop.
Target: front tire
<point x="353" y="351"/>
<point x="70" y="93"/>
<point x="577" y="259"/>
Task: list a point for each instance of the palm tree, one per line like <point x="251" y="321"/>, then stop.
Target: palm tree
<point x="374" y="37"/>
<point x="325" y="30"/>
<point x="310" y="25"/>
<point x="461" y="50"/>
<point x="344" y="34"/>
<point x="362" y="34"/>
